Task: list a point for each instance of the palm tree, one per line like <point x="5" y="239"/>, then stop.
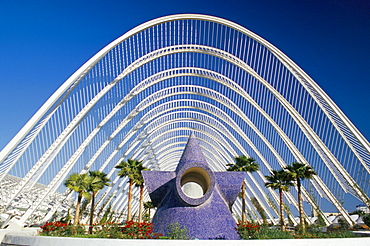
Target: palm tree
<point x="148" y="206"/>
<point x="83" y="208"/>
<point x="97" y="182"/>
<point x="259" y="209"/>
<point x="129" y="169"/>
<point x="78" y="183"/>
<point x="299" y="171"/>
<point x="243" y="164"/>
<point x="139" y="181"/>
<point x="280" y="180"/>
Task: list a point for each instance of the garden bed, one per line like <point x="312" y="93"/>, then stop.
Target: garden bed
<point x="19" y="239"/>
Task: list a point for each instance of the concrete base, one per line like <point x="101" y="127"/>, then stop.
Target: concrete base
<point x="21" y="239"/>
<point x="21" y="232"/>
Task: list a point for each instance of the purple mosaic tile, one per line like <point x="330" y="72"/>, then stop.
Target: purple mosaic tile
<point x="206" y="217"/>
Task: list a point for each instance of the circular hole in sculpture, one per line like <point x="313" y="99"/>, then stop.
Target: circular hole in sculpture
<point x="195" y="182"/>
<point x="192" y="190"/>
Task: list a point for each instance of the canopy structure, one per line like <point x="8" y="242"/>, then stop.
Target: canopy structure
<point x="143" y="94"/>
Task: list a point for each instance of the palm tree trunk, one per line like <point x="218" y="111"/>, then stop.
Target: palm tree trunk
<point x="129" y="215"/>
<point x="281" y="210"/>
<point x="92" y="213"/>
<point x="244" y="217"/>
<point x="141" y="203"/>
<point x="300" y="206"/>
<point x="77" y="213"/>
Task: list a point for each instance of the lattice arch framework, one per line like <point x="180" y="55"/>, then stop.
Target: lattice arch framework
<point x="143" y="94"/>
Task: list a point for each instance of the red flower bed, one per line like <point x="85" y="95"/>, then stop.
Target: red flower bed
<point x="51" y="228"/>
<point x="137" y="230"/>
<point x="247" y="230"/>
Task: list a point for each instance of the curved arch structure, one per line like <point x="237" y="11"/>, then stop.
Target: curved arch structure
<point x="142" y="95"/>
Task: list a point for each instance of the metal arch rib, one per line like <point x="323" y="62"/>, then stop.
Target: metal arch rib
<point x="229" y="136"/>
<point x="124" y="180"/>
<point x="291" y="145"/>
<point x="312" y="137"/>
<point x="261" y="158"/>
<point x="295" y="115"/>
<point x="156" y="137"/>
<point x="305" y="193"/>
<point x="127" y="151"/>
<point x="88" y="65"/>
<point x="300" y="157"/>
<point x="220" y="153"/>
<point x="178" y="17"/>
<point x="256" y="184"/>
<point x="132" y="66"/>
<point x="166" y="150"/>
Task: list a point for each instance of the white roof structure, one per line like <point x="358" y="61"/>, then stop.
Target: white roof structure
<point x="142" y="95"/>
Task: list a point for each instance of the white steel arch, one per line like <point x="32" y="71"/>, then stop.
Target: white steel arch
<point x="166" y="78"/>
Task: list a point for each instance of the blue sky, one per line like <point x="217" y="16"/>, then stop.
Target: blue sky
<point x="43" y="42"/>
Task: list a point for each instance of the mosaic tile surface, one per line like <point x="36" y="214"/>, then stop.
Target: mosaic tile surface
<point x="207" y="217"/>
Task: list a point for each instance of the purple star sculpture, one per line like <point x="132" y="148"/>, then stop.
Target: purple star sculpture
<point x="194" y="196"/>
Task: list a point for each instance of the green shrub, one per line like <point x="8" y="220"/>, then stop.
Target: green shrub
<point x="331" y="234"/>
<point x="271" y="233"/>
<point x="339" y="234"/>
<point x="247" y="230"/>
<point x="131" y="230"/>
<point x="254" y="231"/>
<point x="176" y="231"/>
<point x="343" y="223"/>
<point x="53" y="228"/>
<point x="366" y="219"/>
<point x="61" y="229"/>
<point x="107" y="230"/>
<point x="137" y="230"/>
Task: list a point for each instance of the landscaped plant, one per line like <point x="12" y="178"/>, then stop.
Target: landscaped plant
<point x="97" y="182"/>
<point x="254" y="231"/>
<point x="137" y="230"/>
<point x="53" y="228"/>
<point x="259" y="209"/>
<point x="108" y="230"/>
<point x="131" y="169"/>
<point x="131" y="230"/>
<point x="84" y="211"/>
<point x="343" y="223"/>
<point x="108" y="215"/>
<point x="139" y="181"/>
<point x="78" y="183"/>
<point x="282" y="181"/>
<point x="61" y="229"/>
<point x="298" y="172"/>
<point x="243" y="164"/>
<point x="148" y="206"/>
<point x="366" y="219"/>
<point x="330" y="234"/>
<point x="266" y="232"/>
<point x="176" y="231"/>
<point x="247" y="230"/>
